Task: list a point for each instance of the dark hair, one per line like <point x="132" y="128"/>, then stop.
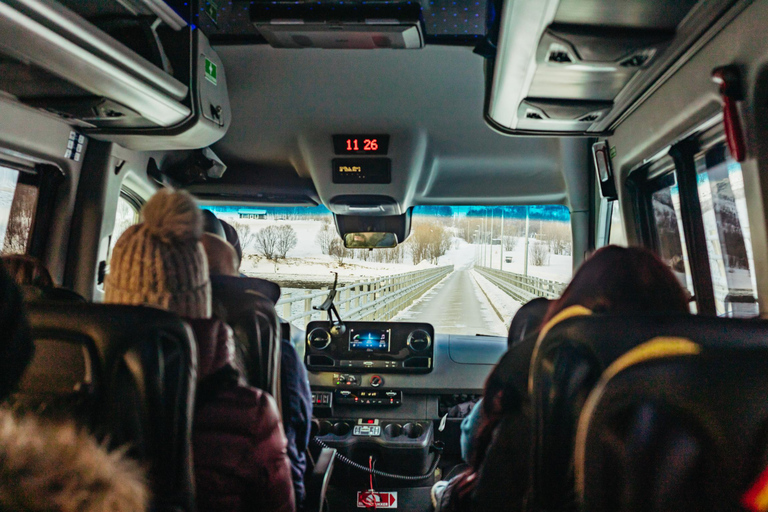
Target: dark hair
<point x="16" y="347"/>
<point x="27" y="270"/>
<point x="614" y="279"/>
<point x="622" y="280"/>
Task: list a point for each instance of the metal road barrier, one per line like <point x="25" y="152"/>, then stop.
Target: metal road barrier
<point x="522" y="288"/>
<point x="372" y="300"/>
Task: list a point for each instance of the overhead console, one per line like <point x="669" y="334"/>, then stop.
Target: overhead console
<point x="383" y="347"/>
<point x="339" y="25"/>
<point x="564" y="67"/>
<point x="132" y="72"/>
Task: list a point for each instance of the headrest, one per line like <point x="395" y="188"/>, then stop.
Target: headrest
<point x="675" y="425"/>
<point x="211" y="224"/>
<point x="229" y="287"/>
<point x="527" y="319"/>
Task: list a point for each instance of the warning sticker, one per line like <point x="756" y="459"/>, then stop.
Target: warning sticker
<point x="210" y="71"/>
<point x="376" y="500"/>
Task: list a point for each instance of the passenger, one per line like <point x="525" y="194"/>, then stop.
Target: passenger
<point x="35" y="280"/>
<point x="295" y="393"/>
<point x="16" y="346"/>
<point x="27" y="270"/>
<point x="527" y="320"/>
<point x="613" y="280"/>
<point x="58" y="468"/>
<point x="239" y="447"/>
<point x="230" y="233"/>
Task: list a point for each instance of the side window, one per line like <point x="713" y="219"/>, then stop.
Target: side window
<point x="670" y="238"/>
<point x="18" y="202"/>
<point x="127" y="215"/>
<point x="617" y="235"/>
<point x="729" y="243"/>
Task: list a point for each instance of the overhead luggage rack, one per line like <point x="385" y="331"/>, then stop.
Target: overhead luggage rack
<point x="53" y="59"/>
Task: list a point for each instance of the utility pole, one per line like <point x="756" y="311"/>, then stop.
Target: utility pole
<point x="525" y="264"/>
<point x="501" y="260"/>
<point x="490" y="263"/>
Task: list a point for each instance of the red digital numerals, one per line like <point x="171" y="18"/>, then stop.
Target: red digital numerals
<point x="368" y="145"/>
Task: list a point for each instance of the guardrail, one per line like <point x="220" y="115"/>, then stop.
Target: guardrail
<point x="372" y="300"/>
<point x="520" y="287"/>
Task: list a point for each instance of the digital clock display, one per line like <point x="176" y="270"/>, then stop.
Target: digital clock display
<point x="361" y="144"/>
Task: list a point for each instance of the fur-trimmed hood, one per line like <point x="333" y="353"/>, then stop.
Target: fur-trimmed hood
<point x="46" y="467"/>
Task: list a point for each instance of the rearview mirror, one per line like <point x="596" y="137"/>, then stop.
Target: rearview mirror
<point x="371" y="240"/>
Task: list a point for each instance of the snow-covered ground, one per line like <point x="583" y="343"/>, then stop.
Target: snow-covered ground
<point x="504" y="305"/>
<point x="560" y="267"/>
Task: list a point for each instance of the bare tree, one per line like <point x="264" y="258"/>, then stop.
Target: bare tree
<point x="266" y="240"/>
<point x="509" y="243"/>
<point x="245" y="234"/>
<point x="20" y="220"/>
<point x="338" y="251"/>
<point x="286" y="240"/>
<point x="429" y="241"/>
<point x="539" y="253"/>
<point x="325" y="237"/>
<point x="558" y="236"/>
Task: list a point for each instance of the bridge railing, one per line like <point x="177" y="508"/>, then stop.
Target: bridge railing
<point x="520" y="287"/>
<point x="371" y="300"/>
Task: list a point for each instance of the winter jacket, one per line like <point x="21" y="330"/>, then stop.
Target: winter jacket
<point x="297" y="412"/>
<point x="239" y="447"/>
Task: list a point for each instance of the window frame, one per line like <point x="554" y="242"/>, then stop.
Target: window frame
<point x="679" y="158"/>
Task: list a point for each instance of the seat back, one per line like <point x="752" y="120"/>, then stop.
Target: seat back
<point x="127" y="373"/>
<point x="568" y="362"/>
<point x="248" y="306"/>
<point x="676" y="426"/>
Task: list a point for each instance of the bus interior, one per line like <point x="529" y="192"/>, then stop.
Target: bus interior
<point x="410" y="173"/>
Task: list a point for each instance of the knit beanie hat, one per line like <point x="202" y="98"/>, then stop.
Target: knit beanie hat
<point x="161" y="261"/>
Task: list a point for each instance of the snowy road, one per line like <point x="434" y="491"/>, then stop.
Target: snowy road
<point x="456" y="306"/>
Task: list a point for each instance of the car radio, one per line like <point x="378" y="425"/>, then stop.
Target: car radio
<point x="387" y="347"/>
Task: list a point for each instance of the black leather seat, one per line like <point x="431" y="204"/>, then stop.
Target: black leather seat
<point x="568" y="362"/>
<point x="248" y="306"/>
<point x="677" y="430"/>
<point x="128" y="373"/>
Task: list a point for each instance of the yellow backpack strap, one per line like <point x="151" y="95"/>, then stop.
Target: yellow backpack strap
<point x="656" y="348"/>
<point x="569" y="312"/>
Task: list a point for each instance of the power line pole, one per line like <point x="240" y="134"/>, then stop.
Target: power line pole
<point x="490" y="263"/>
<point x="525" y="264"/>
<point x="501" y="260"/>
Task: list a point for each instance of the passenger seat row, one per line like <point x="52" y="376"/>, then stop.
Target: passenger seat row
<point x="129" y="373"/>
<point x="651" y="412"/>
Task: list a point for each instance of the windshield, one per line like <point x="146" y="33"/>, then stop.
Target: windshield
<point x="463" y="268"/>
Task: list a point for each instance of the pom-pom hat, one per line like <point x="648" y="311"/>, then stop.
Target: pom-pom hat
<point x="161" y="262"/>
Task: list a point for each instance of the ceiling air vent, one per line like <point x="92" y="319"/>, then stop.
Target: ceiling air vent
<point x="559" y="54"/>
<point x="638" y="60"/>
<point x="589" y="118"/>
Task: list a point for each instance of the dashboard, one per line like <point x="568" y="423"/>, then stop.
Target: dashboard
<point x="384" y="388"/>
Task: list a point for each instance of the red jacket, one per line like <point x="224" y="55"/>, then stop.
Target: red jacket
<point x="239" y="447"/>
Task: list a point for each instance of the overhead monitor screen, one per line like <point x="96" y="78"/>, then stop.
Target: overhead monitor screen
<point x="372" y="340"/>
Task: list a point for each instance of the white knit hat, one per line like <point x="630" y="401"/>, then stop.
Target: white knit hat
<point x="161" y="261"/>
